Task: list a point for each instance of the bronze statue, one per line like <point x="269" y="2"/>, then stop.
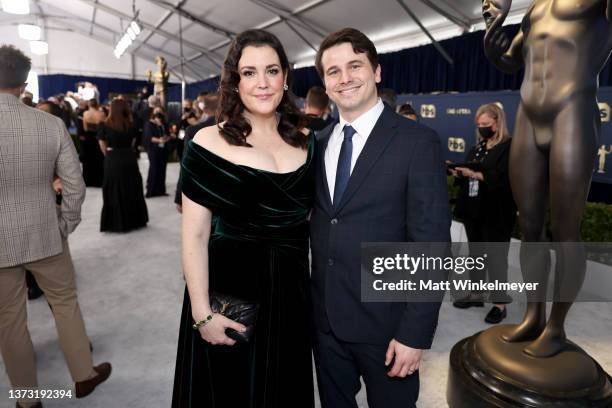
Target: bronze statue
<point x="563" y="45"/>
<point x="160" y="80"/>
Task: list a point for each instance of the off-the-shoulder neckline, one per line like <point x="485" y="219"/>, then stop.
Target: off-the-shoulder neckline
<point x="308" y="156"/>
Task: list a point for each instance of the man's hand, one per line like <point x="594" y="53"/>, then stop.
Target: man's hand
<point x="407" y="360"/>
<point x="57" y="185"/>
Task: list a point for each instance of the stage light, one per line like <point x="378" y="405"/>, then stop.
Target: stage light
<point x="16" y="6"/>
<point x="29" y="32"/>
<point x="39" y="47"/>
<point x="134" y="25"/>
<point x="131" y="32"/>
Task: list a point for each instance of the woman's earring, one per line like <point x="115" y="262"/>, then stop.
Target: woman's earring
<point x="235" y="89"/>
<point x="286" y="87"/>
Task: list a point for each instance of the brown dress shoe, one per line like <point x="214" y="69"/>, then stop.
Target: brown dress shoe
<point x="86" y="387"/>
<point x="37" y="405"/>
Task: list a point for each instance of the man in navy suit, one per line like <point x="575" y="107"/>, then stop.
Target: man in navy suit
<point x="380" y="178"/>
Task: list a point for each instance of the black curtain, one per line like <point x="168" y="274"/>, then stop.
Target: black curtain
<point x="424" y="70"/>
<point x="410" y="71"/>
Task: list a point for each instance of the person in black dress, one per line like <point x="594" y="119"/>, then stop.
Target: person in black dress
<point x="254" y="174"/>
<point x="486" y="207"/>
<point x="91" y="156"/>
<point x="156" y="141"/>
<point x="124" y="207"/>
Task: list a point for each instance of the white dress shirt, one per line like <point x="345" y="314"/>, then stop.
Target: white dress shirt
<point x="363" y="126"/>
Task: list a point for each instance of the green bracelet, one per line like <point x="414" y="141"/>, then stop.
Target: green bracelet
<point x="201" y="323"/>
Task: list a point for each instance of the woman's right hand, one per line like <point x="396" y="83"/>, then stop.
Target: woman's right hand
<point x="214" y="331"/>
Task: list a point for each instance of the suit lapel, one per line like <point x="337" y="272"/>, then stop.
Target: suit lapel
<point x="381" y="135"/>
<point x="322" y="179"/>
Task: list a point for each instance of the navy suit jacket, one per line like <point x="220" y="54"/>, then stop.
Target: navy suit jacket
<point x="397" y="193"/>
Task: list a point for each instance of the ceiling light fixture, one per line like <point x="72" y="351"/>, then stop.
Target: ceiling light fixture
<point x="16" y="6"/>
<point x="29" y="32"/>
<point x="39" y="47"/>
<point x="130" y="34"/>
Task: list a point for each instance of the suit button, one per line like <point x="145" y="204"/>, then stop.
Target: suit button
<point x="334" y="221"/>
<point x="330" y="262"/>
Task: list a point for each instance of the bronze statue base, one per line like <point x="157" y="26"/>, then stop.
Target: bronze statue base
<point x="486" y="371"/>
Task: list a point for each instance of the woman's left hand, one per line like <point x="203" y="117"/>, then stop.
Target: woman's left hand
<point x="465" y="172"/>
<point x="471" y="173"/>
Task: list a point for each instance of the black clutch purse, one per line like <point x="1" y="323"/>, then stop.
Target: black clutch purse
<point x="238" y="310"/>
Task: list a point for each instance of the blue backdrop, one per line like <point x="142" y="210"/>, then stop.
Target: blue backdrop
<point x="192" y="90"/>
<point x="49" y="85"/>
<point x="452" y="116"/>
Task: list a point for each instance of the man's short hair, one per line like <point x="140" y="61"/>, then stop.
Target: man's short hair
<point x="407" y="109"/>
<point x="388" y="96"/>
<point x="317" y="98"/>
<point x="14" y="67"/>
<point x="360" y="42"/>
<point x="211" y="101"/>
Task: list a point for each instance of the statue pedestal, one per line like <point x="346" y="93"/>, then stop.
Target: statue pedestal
<point x="486" y="371"/>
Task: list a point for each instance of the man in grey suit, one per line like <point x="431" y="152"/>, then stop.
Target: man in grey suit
<point x="35" y="146"/>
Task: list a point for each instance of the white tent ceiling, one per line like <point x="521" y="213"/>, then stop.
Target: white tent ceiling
<point x="82" y="33"/>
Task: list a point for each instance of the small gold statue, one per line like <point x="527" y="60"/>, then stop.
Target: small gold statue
<point x="160" y="80"/>
<point x="602" y="153"/>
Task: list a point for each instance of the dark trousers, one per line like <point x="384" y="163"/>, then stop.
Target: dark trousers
<point x="156" y="178"/>
<point x="340" y="365"/>
<point x="497" y="255"/>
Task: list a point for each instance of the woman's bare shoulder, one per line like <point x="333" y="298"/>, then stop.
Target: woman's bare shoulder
<point x="210" y="139"/>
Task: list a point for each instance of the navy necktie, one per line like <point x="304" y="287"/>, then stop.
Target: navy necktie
<point x="343" y="172"/>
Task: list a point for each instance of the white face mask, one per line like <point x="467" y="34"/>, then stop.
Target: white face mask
<point x="201" y="105"/>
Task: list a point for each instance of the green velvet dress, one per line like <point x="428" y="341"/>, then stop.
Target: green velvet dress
<point x="258" y="250"/>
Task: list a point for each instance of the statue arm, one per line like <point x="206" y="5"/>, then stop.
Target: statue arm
<point x="513" y="58"/>
<point x="505" y="55"/>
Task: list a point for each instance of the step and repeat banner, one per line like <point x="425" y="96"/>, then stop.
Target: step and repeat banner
<point x="452" y="116"/>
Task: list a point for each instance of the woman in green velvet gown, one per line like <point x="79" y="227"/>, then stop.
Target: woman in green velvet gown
<point x="254" y="176"/>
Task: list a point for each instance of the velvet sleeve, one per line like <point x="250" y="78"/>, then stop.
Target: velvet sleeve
<point x="203" y="180"/>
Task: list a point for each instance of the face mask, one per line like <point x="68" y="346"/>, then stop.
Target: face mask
<point x="486" y="132"/>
